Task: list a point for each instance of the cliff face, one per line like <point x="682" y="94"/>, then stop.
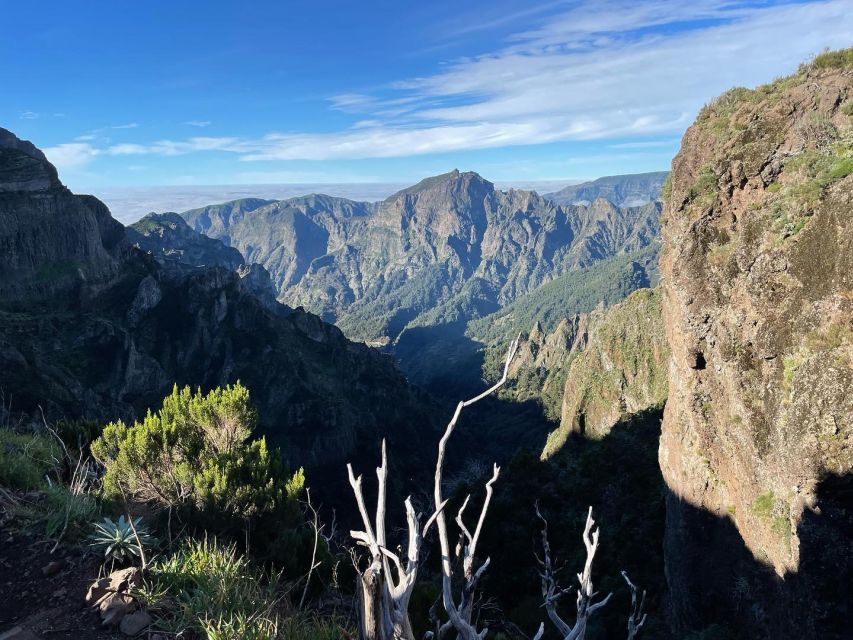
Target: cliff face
<point x="757" y="267"/>
<point x="620" y="371"/>
<point x="52" y="242"/>
<point x="121" y="328"/>
<point x="168" y="237"/>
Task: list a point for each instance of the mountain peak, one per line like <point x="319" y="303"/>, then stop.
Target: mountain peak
<point x="23" y="167"/>
<point x="451" y="177"/>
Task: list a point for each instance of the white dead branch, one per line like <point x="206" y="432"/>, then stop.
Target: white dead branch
<point x="385" y="586"/>
<point x="551" y="592"/>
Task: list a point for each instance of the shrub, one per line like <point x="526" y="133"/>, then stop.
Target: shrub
<point x="27" y="458"/>
<point x="834" y="59"/>
<point x="763" y="505"/>
<point x="195" y="453"/>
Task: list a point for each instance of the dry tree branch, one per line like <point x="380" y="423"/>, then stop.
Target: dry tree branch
<point x="637" y="617"/>
<point x="383" y="594"/>
<point x="461" y="615"/>
<point x="551" y="592"/>
<point x="315" y="524"/>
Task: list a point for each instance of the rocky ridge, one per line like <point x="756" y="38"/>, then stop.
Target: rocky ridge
<point x="623" y="191"/>
<point x="451" y="247"/>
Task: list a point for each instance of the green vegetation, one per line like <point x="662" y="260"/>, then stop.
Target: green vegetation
<point x="66" y="512"/>
<point x="195" y="452"/>
<point x="762" y="506"/>
<point x="607" y="282"/>
<point x="121" y="539"/>
<point x="210" y="588"/>
<point x="776" y="512"/>
<point x="841" y="59"/>
<point x="703" y="192"/>
<point x="666" y="189"/>
<point x="26" y="459"/>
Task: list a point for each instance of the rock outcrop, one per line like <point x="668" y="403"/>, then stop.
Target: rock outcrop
<point x="618" y="371"/>
<point x="757" y="438"/>
<point x="54" y="245"/>
<point x="169" y="238"/>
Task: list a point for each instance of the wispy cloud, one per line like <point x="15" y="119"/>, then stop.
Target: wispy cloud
<point x="596" y="70"/>
<point x="198" y="123"/>
<point x="35" y="115"/>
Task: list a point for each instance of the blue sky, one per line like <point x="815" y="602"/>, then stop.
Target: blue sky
<point x="186" y="93"/>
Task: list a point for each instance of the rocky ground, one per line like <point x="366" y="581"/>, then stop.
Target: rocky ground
<point x="43" y="592"/>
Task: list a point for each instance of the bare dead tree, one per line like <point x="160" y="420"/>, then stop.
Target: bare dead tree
<point x="460" y="615"/>
<point x="551" y="591"/>
<point x="383" y="595"/>
<point x="637" y="617"/>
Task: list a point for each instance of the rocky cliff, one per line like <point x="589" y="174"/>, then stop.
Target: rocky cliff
<point x="618" y="371"/>
<point x="168" y="237"/>
<point x="757" y="441"/>
<point x="54" y="246"/>
<point x="120" y="329"/>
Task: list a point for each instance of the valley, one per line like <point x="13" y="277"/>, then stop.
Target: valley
<point x="669" y="351"/>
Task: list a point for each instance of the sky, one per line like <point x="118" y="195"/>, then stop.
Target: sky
<point x="180" y="93"/>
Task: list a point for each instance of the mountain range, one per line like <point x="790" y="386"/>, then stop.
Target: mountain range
<point x="92" y="326"/>
<point x="630" y="190"/>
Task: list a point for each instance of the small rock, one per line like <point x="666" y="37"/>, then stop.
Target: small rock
<point x="134" y="623"/>
<point x="97" y="591"/>
<point x="52" y="568"/>
<point x="59" y="593"/>
<point x="115" y="607"/>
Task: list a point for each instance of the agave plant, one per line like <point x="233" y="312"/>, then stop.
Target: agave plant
<point x="118" y="539"/>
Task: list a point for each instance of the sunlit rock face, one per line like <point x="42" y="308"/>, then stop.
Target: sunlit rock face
<point x="757" y="266"/>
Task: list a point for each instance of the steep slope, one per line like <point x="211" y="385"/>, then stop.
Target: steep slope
<point x="623" y="191"/>
<point x="757" y="268"/>
<point x="450" y="248"/>
<point x="168" y="237"/>
<point x="174" y="244"/>
<point x="121" y="329"/>
<point x="607" y="282"/>
<point x="52" y="242"/>
<point x="619" y="371"/>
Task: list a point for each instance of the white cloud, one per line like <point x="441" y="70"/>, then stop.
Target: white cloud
<point x="71" y="155"/>
<point x="595" y="71"/>
<point x="198" y="123"/>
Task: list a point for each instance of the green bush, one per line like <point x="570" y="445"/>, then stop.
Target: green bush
<point x="195" y="453"/>
<point x="26" y="459"/>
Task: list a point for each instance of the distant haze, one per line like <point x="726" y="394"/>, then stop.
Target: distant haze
<point x="129" y="204"/>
